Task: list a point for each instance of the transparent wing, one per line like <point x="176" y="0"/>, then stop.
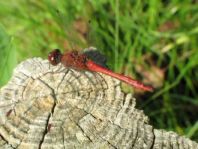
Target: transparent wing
<point x="93" y="54"/>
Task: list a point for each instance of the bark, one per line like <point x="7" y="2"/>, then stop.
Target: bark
<point x="45" y="106"/>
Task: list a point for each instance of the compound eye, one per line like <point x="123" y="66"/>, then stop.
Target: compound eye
<point x="52" y="58"/>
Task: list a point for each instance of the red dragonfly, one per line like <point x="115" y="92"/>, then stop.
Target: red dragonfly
<point x="83" y="61"/>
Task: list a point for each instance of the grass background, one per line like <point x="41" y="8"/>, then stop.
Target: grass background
<point x="153" y="41"/>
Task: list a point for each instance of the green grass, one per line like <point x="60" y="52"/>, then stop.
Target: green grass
<point x="7" y="56"/>
<point x="143" y="39"/>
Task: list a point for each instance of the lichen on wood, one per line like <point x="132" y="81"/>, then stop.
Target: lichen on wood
<point x="45" y="106"/>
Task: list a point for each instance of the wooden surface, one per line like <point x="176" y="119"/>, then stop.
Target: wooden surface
<point x="45" y="106"/>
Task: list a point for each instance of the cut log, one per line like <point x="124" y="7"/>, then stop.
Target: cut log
<point x="45" y="106"/>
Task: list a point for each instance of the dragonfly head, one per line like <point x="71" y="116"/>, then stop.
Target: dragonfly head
<point x="54" y="57"/>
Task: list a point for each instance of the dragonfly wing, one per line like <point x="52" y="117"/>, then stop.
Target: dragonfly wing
<point x="96" y="56"/>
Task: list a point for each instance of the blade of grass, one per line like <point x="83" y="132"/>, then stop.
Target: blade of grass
<point x="7" y="56"/>
<point x="116" y="35"/>
<point x="193" y="130"/>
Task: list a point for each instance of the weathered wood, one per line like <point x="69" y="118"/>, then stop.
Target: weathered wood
<point x="45" y="106"/>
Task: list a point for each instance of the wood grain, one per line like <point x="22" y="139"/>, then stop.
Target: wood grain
<point x="45" y="106"/>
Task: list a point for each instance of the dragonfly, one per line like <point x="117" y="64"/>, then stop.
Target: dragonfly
<point x="88" y="61"/>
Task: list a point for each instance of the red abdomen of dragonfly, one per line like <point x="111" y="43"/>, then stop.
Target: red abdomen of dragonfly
<point x="74" y="60"/>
